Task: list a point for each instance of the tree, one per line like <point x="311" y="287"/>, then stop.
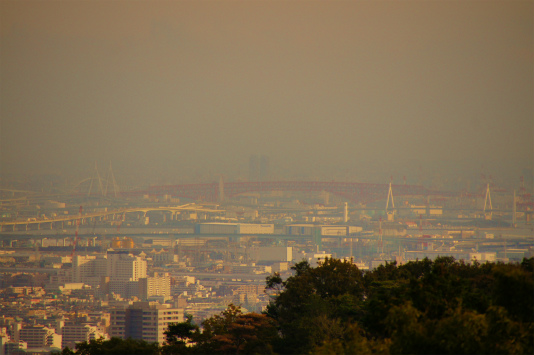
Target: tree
<point x="181" y="333"/>
<point x="230" y="332"/>
<point x="441" y="307"/>
<point x="423" y="307"/>
<point x="514" y="290"/>
<point x="311" y="298"/>
<point x="249" y="333"/>
<point x="353" y="342"/>
<point x="114" y="346"/>
<point x="219" y="324"/>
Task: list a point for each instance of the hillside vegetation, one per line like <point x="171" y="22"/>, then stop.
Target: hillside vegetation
<point x="423" y="307"/>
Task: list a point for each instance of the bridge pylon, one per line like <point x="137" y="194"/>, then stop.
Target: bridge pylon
<point x="96" y="176"/>
<point x="110" y="178"/>
<point x="390" y="213"/>
<point x="488" y="208"/>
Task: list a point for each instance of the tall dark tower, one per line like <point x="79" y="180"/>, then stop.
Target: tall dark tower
<point x="258" y="168"/>
<point x="265" y="170"/>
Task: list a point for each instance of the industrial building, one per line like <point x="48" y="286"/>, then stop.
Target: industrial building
<point x="273" y="254"/>
<point x="234" y="228"/>
<point x="323" y="230"/>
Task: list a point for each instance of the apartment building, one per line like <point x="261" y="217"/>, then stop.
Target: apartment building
<point x="156" y="285"/>
<point x="122" y="268"/>
<point x="39" y="336"/>
<point x="77" y="333"/>
<point x="144" y="320"/>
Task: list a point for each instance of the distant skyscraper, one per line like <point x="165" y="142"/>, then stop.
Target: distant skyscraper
<point x="254" y="168"/>
<point x="264" y="168"/>
<point x="258" y="168"/>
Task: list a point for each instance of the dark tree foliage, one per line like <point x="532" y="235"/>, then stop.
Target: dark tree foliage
<point x="114" y="346"/>
<point x="316" y="304"/>
<point x="230" y="332"/>
<point x="180" y="333"/>
<point x="179" y="336"/>
<point x="250" y="333"/>
<point x="424" y="307"/>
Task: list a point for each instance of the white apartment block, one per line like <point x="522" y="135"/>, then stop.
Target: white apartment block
<point x="40" y="337"/>
<point x="121" y="268"/>
<point x="144" y="320"/>
<point x="157" y="285"/>
<point x="89" y="269"/>
<point x="77" y="333"/>
<point x="126" y="267"/>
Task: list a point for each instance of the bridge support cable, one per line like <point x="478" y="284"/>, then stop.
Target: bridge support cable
<point x="110" y="178"/>
<point x="488" y="208"/>
<point x="390" y="214"/>
<point x="96" y="176"/>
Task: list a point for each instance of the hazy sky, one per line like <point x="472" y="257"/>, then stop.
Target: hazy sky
<point x="180" y="90"/>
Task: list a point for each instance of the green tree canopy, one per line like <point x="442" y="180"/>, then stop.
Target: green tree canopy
<point x="440" y="307"/>
<point x="114" y="346"/>
<point x="423" y="307"/>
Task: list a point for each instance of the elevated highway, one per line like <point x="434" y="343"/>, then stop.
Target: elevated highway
<point x="88" y="217"/>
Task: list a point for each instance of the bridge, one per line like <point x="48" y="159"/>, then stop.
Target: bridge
<point x="88" y="217"/>
<point x="351" y="191"/>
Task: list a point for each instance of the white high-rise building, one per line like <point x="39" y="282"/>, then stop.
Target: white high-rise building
<point x="77" y="333"/>
<point x="144" y="320"/>
<point x="124" y="270"/>
<point x="121" y="268"/>
<point x="39" y="336"/>
<point x="157" y="285"/>
<point x="126" y="267"/>
<point x="89" y="269"/>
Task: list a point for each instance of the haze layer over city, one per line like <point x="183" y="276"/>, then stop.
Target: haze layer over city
<point x="182" y="91"/>
<point x="320" y="172"/>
